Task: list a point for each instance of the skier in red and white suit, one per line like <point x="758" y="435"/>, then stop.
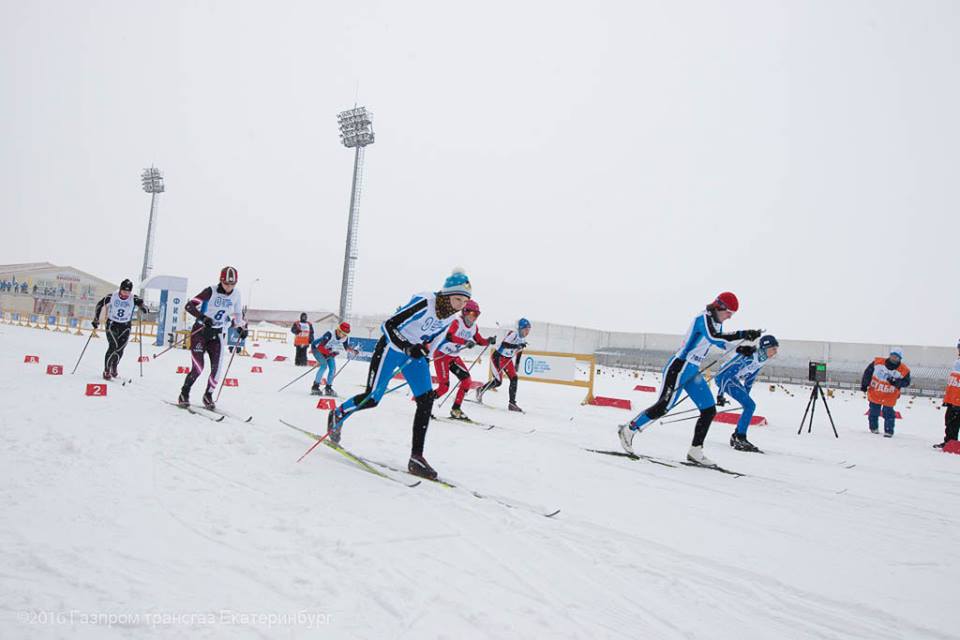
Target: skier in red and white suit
<point x="461" y="335"/>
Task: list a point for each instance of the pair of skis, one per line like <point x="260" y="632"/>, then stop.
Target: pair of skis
<point x="379" y="469"/>
<point x="665" y="462"/>
<point x="214" y="415"/>
<point x="482" y="425"/>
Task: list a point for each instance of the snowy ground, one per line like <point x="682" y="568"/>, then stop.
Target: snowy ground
<point x="125" y="510"/>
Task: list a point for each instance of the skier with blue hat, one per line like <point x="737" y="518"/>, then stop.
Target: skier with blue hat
<point x="406" y="342"/>
<point x="736" y="380"/>
<point x="505" y="360"/>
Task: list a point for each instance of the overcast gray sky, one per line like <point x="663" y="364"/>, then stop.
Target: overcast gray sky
<point x="608" y="164"/>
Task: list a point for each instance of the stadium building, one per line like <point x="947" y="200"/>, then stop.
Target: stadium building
<point x="47" y="289"/>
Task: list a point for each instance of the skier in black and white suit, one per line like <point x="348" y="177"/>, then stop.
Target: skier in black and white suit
<point x="120" y="307"/>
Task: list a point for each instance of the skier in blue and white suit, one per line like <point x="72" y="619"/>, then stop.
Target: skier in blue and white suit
<point x="736" y="380"/>
<point x="682" y="374"/>
<point x="404" y="347"/>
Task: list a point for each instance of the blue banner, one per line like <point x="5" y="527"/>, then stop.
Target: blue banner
<point x="365" y="346"/>
<point x="161" y="318"/>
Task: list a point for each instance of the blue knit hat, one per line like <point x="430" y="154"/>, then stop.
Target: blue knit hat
<point x="457" y="284"/>
<point x="897" y="351"/>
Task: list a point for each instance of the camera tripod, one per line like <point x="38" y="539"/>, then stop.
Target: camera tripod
<point x="812" y="406"/>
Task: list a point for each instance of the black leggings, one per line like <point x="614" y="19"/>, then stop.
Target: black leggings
<point x="117" y="335"/>
<point x="952" y="422"/>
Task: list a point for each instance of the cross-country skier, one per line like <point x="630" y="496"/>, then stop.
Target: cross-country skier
<point x="325" y="350"/>
<point x="215" y="309"/>
<point x="303" y="338"/>
<point x="682" y="374"/>
<point x="882" y="381"/>
<point x="404" y="346"/>
<point x="736" y="380"/>
<point x="505" y="360"/>
<point x="120" y="307"/>
<point x="461" y="335"/>
<point x="951" y="400"/>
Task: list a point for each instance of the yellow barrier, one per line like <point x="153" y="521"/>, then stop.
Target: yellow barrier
<point x="581" y="357"/>
<point x="269" y="336"/>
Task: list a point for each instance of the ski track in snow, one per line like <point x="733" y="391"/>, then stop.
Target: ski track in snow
<point x="125" y="504"/>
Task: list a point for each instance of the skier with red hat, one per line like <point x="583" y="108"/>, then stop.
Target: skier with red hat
<point x="461" y="335"/>
<point x="325" y="350"/>
<point x="682" y="374"/>
<point x="215" y="309"/>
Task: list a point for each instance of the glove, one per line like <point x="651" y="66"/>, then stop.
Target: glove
<point x="750" y="334"/>
<point x="721" y="400"/>
<point x="95" y="323"/>
<point x="746" y="350"/>
<point x="416" y="351"/>
<point x="863" y="389"/>
<point x="207" y="322"/>
<point x="242" y="333"/>
<point x="470" y="344"/>
<point x="492" y="340"/>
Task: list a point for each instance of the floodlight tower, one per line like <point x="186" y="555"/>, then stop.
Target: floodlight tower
<point x="152" y="180"/>
<point x="356" y="131"/>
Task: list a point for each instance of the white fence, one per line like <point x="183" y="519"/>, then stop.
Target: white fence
<point x="846" y="360"/>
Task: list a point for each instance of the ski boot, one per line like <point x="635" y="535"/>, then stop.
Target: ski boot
<point x="328" y="391"/>
<point x="626" y="437"/>
<point x="888" y="434"/>
<point x="106" y="374"/>
<point x="480" y="391"/>
<point x="208" y="402"/>
<point x="695" y="455"/>
<point x="418" y="466"/>
<point x="315" y="389"/>
<point x="939" y="445"/>
<point x="457" y="414"/>
<point x="184" y="400"/>
<point x="874" y="431"/>
<point x="740" y="443"/>
<point x="513" y="406"/>
<point x="113" y="372"/>
<point x="334" y="424"/>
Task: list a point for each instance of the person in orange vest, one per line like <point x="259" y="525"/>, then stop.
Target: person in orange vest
<point x="951" y="400"/>
<point x="303" y="336"/>
<point x="882" y="381"/>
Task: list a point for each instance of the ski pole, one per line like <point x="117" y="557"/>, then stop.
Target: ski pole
<point x="223" y="380"/>
<point x="298" y="377"/>
<point x="469" y="369"/>
<point x="177" y="342"/>
<point x="349" y="360"/>
<point x="369" y="395"/>
<point x="140" y="359"/>
<point x="82" y="352"/>
<point x="695" y="417"/>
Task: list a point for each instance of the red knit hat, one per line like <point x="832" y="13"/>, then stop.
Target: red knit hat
<point x="727" y="300"/>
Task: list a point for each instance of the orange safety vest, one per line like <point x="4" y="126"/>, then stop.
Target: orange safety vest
<point x="302" y="339"/>
<point x="952" y="394"/>
<point x="881" y="391"/>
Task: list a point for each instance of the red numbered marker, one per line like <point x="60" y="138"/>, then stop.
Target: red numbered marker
<point x="256" y="369"/>
<point x="31" y="359"/>
<point x="279" y="358"/>
<point x="230" y="382"/>
<point x="143" y="359"/>
<point x="183" y="369"/>
<point x="327" y="404"/>
<point x="54" y="369"/>
<point x="96" y="389"/>
<point x="260" y="356"/>
<point x="256" y="344"/>
<point x="311" y="363"/>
